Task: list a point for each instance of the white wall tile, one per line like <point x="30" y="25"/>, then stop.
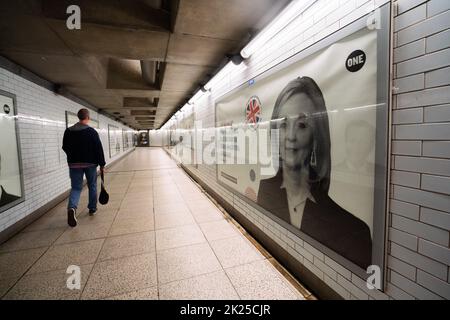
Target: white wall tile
<point x="41" y="126"/>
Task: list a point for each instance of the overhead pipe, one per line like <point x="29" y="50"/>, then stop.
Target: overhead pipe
<point x="148" y="69"/>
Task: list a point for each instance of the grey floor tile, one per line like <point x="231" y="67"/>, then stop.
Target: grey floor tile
<point x="128" y="245"/>
<point x="136" y="204"/>
<point x="126" y="226"/>
<point x="193" y="197"/>
<point x="213" y="286"/>
<point x="141" y="212"/>
<point x="102" y="216"/>
<point x="118" y="189"/>
<point x="31" y="240"/>
<point x="112" y="204"/>
<point x="216" y="230"/>
<point x="62" y="256"/>
<point x="7" y="284"/>
<point x="178" y="237"/>
<point x="143" y="294"/>
<point x="207" y="216"/>
<point x="15" y="264"/>
<point x="85" y="232"/>
<point x="201" y="205"/>
<point x="164" y="192"/>
<point x="169" y="199"/>
<point x="115" y="277"/>
<point x="164" y="185"/>
<point x="141" y="189"/>
<point x="138" y="196"/>
<point x="48" y="286"/>
<point x="235" y="251"/>
<point x="260" y="281"/>
<point x="48" y="221"/>
<point x="161" y="182"/>
<point x="171" y="208"/>
<point x="186" y="262"/>
<point x="171" y="220"/>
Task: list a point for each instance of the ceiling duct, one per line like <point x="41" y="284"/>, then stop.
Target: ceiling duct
<point x="149" y="69"/>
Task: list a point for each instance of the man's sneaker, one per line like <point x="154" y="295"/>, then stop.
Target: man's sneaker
<point x="71" y="217"/>
<point x="92" y="212"/>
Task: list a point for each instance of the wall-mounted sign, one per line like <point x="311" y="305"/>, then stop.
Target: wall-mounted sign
<point x="127" y="139"/>
<point x="326" y="110"/>
<point x="11" y="177"/>
<point x="114" y="134"/>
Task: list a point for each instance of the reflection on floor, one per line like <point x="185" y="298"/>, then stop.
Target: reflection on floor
<point x="159" y="237"/>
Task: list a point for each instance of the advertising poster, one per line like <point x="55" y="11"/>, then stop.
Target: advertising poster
<point x="126" y="139"/>
<point x="323" y="109"/>
<point x="114" y="134"/>
<point x="11" y="186"/>
<point x="186" y="143"/>
<point x="135" y="139"/>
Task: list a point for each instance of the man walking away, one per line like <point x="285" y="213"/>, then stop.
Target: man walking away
<point x="84" y="152"/>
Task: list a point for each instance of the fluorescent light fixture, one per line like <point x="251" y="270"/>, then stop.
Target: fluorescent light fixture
<point x="292" y="11"/>
<point x="229" y="67"/>
<point x="196" y="97"/>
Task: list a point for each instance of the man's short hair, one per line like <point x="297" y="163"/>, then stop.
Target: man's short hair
<point x="83" y="114"/>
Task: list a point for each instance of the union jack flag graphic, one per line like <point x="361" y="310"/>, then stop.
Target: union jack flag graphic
<point x="253" y="111"/>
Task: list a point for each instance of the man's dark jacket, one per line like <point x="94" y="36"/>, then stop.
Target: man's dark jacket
<point x="82" y="144"/>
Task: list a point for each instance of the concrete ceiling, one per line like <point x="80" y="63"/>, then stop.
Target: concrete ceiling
<point x="136" y="60"/>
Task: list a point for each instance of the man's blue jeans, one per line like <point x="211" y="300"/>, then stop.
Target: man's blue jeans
<point x="76" y="178"/>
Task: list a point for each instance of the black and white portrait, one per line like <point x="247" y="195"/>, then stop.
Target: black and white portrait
<point x="11" y="191"/>
<point x="323" y="147"/>
<point x="298" y="193"/>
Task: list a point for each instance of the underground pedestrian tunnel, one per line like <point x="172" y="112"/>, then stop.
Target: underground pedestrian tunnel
<point x="255" y="149"/>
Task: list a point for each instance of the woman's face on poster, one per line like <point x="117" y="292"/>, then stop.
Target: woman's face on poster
<point x="296" y="130"/>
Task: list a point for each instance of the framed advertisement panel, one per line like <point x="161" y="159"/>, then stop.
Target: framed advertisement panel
<point x="114" y="134"/>
<point x="125" y="144"/>
<point x="135" y="139"/>
<point x="127" y="139"/>
<point x="185" y="138"/>
<point x="12" y="190"/>
<point x="325" y="114"/>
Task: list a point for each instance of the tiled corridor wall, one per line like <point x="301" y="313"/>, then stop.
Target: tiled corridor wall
<point x="420" y="204"/>
<point x="41" y="127"/>
<point x="419" y="219"/>
<point x="156" y="138"/>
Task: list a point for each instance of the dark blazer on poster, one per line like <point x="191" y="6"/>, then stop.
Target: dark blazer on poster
<point x="324" y="221"/>
<point x="7" y="198"/>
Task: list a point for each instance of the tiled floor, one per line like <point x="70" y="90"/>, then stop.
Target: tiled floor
<point x="159" y="237"/>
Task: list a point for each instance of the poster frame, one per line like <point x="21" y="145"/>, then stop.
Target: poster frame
<point x="123" y="140"/>
<point x="382" y="146"/>
<point x="19" y="153"/>
<point x="109" y="140"/>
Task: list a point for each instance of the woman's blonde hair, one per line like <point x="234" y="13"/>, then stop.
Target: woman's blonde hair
<point x="319" y="175"/>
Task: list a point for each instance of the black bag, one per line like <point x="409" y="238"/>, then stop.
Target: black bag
<point x="104" y="196"/>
